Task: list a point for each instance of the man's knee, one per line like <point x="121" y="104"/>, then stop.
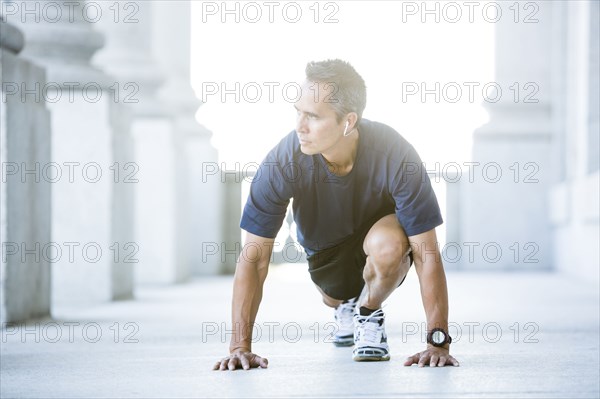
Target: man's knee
<point x="386" y="243"/>
<point x="390" y="251"/>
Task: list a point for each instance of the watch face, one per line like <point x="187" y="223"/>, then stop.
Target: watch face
<point x="438" y="337"/>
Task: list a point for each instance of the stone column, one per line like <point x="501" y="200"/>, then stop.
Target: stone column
<point x="87" y="266"/>
<point x="129" y="56"/>
<point x="199" y="190"/>
<point x="574" y="199"/>
<point x="24" y="194"/>
<point x="505" y="208"/>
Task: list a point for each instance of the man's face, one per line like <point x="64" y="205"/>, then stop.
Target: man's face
<point x="316" y="125"/>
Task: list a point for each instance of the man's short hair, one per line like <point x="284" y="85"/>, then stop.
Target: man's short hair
<point x="349" y="93"/>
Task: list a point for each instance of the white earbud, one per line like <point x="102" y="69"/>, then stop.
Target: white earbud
<point x="346" y="129"/>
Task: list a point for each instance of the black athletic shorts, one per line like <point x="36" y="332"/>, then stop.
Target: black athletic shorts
<point x="338" y="270"/>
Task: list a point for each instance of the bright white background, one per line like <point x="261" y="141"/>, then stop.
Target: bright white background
<point x="370" y="35"/>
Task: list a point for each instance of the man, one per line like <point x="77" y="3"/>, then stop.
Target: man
<point x="364" y="211"/>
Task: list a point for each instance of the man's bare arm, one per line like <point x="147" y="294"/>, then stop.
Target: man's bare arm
<point x="434" y="293"/>
<point x="250" y="274"/>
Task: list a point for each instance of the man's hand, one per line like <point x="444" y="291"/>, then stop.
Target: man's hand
<point x="241" y="359"/>
<point x="434" y="357"/>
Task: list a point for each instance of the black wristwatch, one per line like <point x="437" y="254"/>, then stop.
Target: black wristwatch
<point x="438" y="337"/>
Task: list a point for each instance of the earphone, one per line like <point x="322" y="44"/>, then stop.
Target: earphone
<point x="346" y="129"/>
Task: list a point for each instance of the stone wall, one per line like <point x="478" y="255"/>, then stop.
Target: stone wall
<point x="25" y="194"/>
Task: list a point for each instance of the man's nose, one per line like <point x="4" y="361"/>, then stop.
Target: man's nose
<point x="301" y="124"/>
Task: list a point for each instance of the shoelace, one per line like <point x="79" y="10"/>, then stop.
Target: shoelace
<point x="370" y="328"/>
<point x="370" y="332"/>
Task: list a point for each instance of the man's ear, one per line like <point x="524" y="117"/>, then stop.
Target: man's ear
<point x="351" y="118"/>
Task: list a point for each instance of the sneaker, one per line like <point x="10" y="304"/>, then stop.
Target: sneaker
<point x="370" y="340"/>
<point x="344" y="315"/>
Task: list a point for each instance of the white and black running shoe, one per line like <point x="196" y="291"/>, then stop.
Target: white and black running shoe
<point x="370" y="340"/>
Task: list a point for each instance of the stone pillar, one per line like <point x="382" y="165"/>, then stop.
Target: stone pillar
<point x="24" y="195"/>
<point x="123" y="204"/>
<point x="129" y="56"/>
<point x="199" y="190"/>
<point x="574" y="199"/>
<point x="506" y="207"/>
<point x="87" y="266"/>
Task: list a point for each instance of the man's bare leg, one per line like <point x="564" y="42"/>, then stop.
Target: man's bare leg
<point x="387" y="249"/>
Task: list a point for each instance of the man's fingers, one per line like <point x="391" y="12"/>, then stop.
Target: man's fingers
<point x="245" y="362"/>
<point x="264" y="362"/>
<point x="412" y="360"/>
<point x="224" y="364"/>
<point x="258" y="361"/>
<point x="424" y="358"/>
<point x="434" y="360"/>
<point x="233" y="363"/>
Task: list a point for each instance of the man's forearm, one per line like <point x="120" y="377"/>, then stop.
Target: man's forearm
<point x="434" y="293"/>
<point x="247" y="293"/>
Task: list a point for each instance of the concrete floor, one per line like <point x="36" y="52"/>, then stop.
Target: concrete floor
<point x="165" y="343"/>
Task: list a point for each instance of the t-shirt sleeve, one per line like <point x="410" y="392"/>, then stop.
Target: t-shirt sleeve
<point x="417" y="208"/>
<point x="268" y="200"/>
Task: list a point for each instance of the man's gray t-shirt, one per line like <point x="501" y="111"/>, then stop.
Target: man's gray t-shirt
<point x="387" y="177"/>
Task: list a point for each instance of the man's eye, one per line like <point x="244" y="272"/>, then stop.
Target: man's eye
<point x="309" y="116"/>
